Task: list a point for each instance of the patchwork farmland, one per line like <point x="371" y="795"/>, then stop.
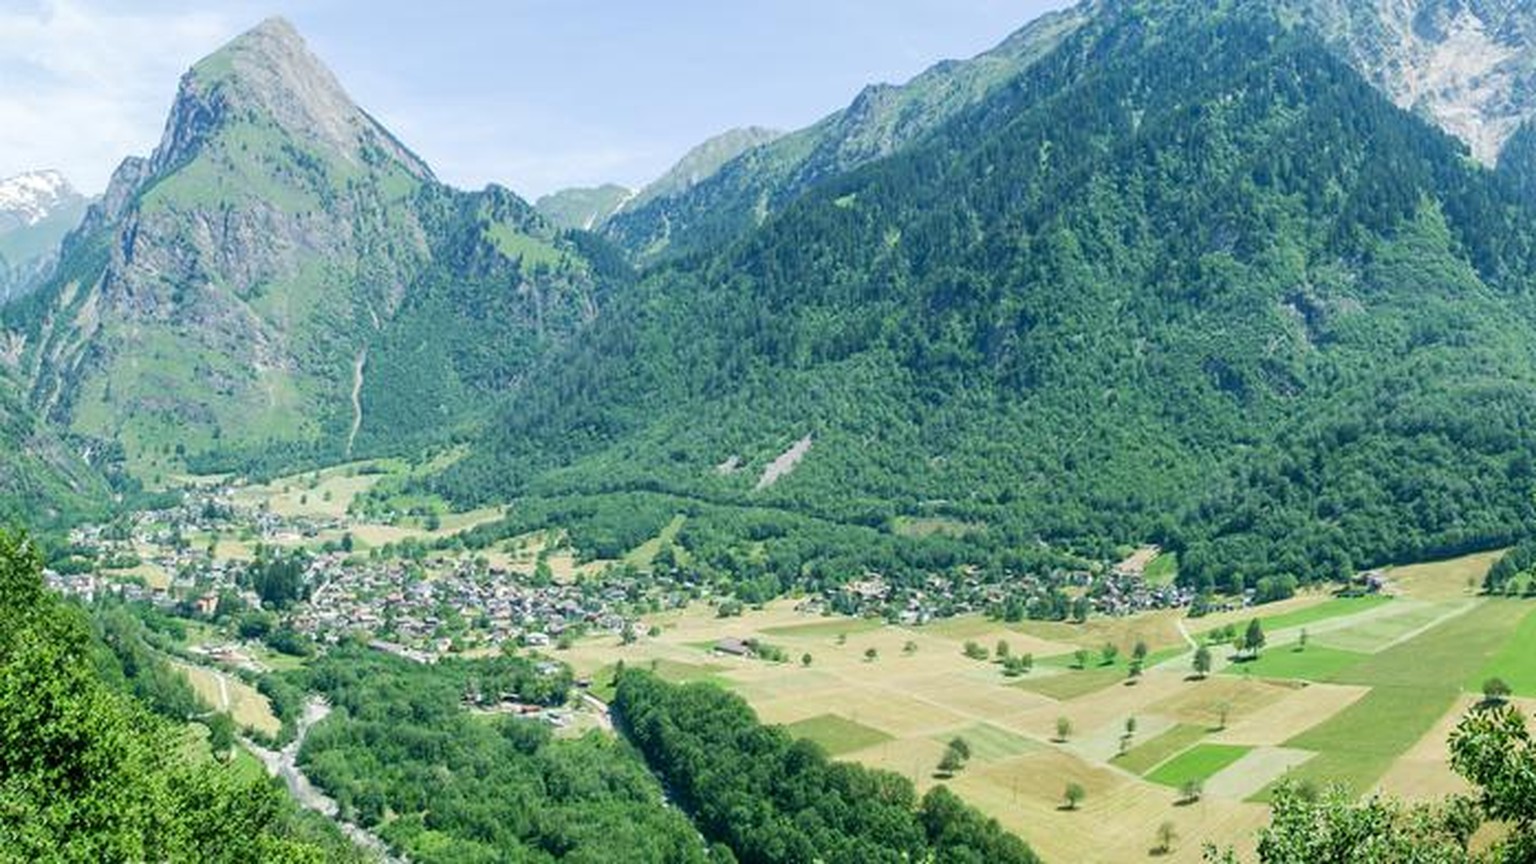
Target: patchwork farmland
<point x="1362" y="691"/>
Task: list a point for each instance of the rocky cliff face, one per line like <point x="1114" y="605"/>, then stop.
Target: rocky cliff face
<point x="1468" y="65"/>
<point x="225" y="294"/>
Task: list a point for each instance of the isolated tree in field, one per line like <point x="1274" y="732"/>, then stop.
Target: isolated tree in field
<point x="1002" y="651"/>
<point x="1108" y="654"/>
<point x="1063" y="728"/>
<point x="1081" y="656"/>
<point x="1075" y="794"/>
<point x="1301" y="640"/>
<point x="910" y="648"/>
<point x="956" y="754"/>
<point x="1202" y="661"/>
<point x="974" y="651"/>
<point x="1190" y="791"/>
<point x="1133" y="674"/>
<point x="871" y="655"/>
<point x="842" y="638"/>
<point x="1140" y="651"/>
<point x="961" y="747"/>
<point x="1165" y="837"/>
<point x="805" y="659"/>
<point x="628" y="635"/>
<point x="949" y="763"/>
<point x="1253" y="638"/>
<point x="1223" y="711"/>
<point x="1496" y="690"/>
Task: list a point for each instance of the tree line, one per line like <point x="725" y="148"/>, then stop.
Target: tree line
<point x="770" y="798"/>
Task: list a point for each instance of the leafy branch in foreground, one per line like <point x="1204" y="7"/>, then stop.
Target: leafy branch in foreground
<point x="1491" y="748"/>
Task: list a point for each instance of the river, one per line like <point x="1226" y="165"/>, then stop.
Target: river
<point x="284" y="763"/>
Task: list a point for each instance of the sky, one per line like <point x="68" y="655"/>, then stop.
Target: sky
<point x="536" y="95"/>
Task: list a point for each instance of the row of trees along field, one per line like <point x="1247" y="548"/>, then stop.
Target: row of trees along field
<point x="1512" y="569"/>
<point x="89" y="773"/>
<point x="770" y="798"/>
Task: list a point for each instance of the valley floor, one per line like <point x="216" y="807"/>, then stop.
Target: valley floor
<point x="1367" y="701"/>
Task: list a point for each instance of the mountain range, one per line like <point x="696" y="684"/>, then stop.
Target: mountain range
<point x="1252" y="280"/>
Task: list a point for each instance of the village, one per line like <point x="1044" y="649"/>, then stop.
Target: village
<point x="422" y="596"/>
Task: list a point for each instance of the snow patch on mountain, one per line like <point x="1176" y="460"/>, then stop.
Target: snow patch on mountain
<point x="32" y="197"/>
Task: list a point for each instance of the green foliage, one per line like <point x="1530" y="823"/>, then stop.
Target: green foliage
<point x="131" y="665"/>
<point x="1209" y="289"/>
<point x="86" y="774"/>
<point x="1515" y="565"/>
<point x="1202" y="661"/>
<point x="278" y="576"/>
<point x="402" y="755"/>
<point x="771" y="798"/>
<point x="1491" y="748"/>
<point x="1332" y="827"/>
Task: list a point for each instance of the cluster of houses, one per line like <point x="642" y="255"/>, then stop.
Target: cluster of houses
<point x="424" y="608"/>
<point x="1116" y="591"/>
<point x="450" y="604"/>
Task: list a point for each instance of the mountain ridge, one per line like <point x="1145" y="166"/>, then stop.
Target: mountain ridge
<point x="270" y="258"/>
<point x="880" y="121"/>
<point x="1176" y="233"/>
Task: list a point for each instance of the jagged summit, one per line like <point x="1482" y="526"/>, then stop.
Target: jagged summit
<point x="269" y="74"/>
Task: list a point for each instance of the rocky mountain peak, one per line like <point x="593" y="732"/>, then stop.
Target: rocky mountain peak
<point x="1468" y="65"/>
<point x="269" y="74"/>
<point x="30" y="198"/>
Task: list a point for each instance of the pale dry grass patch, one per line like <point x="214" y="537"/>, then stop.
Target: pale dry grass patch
<point x="1290" y="715"/>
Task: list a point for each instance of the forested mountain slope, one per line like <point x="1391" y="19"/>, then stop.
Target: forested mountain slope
<point x="43" y="481"/>
<point x="743" y="191"/>
<point x="283" y="281"/>
<point x="1190" y="277"/>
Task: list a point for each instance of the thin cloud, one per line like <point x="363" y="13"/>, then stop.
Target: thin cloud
<point x="87" y="84"/>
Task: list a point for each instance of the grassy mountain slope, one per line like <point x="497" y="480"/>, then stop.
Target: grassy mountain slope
<point x="583" y="209"/>
<point x="269" y="287"/>
<point x="1189" y="277"/>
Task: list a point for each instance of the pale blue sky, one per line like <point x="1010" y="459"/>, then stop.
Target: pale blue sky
<point x="533" y="94"/>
